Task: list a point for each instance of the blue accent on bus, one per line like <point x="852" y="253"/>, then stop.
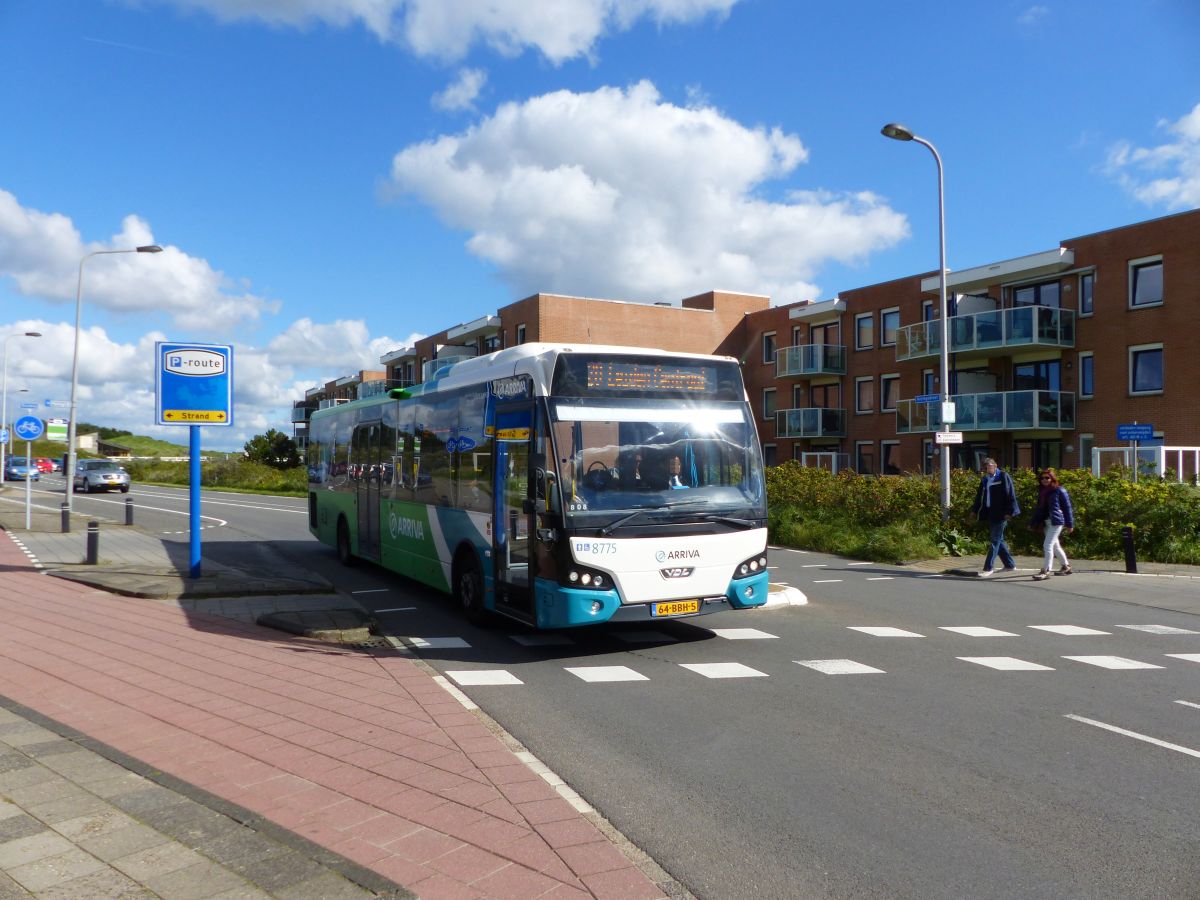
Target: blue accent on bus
<point x="564" y="607"/>
<point x="737" y="591"/>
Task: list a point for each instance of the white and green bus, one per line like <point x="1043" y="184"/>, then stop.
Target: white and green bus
<point x="556" y="485"/>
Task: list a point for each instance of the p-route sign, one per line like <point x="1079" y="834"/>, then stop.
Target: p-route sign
<point x="194" y="384"/>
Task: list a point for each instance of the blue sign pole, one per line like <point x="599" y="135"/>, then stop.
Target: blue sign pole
<point x="194" y="500"/>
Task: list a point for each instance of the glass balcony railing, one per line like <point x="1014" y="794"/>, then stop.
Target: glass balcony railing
<point x="994" y="411"/>
<point x="810" y="359"/>
<point x="810" y="422"/>
<point x="1022" y="326"/>
<point x="434" y="366"/>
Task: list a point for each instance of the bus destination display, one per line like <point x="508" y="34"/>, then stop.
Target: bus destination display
<point x="619" y="375"/>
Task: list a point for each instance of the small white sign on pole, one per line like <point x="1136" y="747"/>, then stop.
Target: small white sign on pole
<point x="948" y="437"/>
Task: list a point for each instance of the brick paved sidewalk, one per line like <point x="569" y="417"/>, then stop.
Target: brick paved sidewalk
<point x="358" y="751"/>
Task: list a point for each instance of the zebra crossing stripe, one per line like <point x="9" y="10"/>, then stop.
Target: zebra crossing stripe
<point x="1006" y="663"/>
<point x="977" y="631"/>
<point x="1113" y="662"/>
<point x="595" y="674"/>
<point x="839" y="667"/>
<point x="1068" y="629"/>
<point x="484" y="677"/>
<point x="724" y="670"/>
<point x="883" y="631"/>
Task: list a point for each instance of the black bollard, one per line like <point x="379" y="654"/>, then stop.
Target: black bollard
<point x="66" y="518"/>
<point x="128" y="510"/>
<point x="1130" y="552"/>
<point x="93" y="542"/>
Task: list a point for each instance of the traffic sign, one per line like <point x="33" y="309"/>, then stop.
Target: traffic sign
<point x="1135" y="432"/>
<point x="927" y="398"/>
<point x="948" y="437"/>
<point x="194" y="384"/>
<point x="28" y="428"/>
<point x="56" y="404"/>
<point x="28" y="405"/>
<point x="3" y="435"/>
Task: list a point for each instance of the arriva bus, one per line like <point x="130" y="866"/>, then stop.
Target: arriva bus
<point x="556" y="485"/>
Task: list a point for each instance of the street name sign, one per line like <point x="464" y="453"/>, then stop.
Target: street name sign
<point x="927" y="398"/>
<point x="1135" y="432"/>
<point x="948" y="437"/>
<point x="194" y="384"/>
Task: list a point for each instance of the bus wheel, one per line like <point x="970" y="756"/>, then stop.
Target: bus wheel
<point x="468" y="587"/>
<point x="345" y="557"/>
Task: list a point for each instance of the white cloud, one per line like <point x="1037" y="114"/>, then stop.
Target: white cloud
<point x="461" y="93"/>
<point x="40" y="252"/>
<point x="447" y="29"/>
<point x="1166" y="175"/>
<point x="1033" y="15"/>
<point x="343" y="347"/>
<point x="618" y="193"/>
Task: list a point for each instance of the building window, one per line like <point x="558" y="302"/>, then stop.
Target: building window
<point x="1087" y="381"/>
<point x="520" y="334"/>
<point x="864" y="394"/>
<point x="889" y="458"/>
<point x="928" y="382"/>
<point x="1086" y="442"/>
<point x="928" y="463"/>
<point x="828" y="334"/>
<point x="1146" y="282"/>
<point x="927" y="311"/>
<point x="1087" y="282"/>
<point x="889" y="325"/>
<point x="769" y="455"/>
<point x="1046" y="294"/>
<point x="826" y="396"/>
<point x="1146" y="369"/>
<point x="768" y="403"/>
<point x="796" y="337"/>
<point x="864" y="457"/>
<point x="889" y="392"/>
<point x="768" y="347"/>
<point x="864" y="331"/>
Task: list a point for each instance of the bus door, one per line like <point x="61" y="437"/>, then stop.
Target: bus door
<point x="367" y="462"/>
<point x="513" y="492"/>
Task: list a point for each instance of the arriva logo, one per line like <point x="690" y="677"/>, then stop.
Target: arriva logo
<point x="664" y="555"/>
<point x="402" y="526"/>
<point x="196" y="362"/>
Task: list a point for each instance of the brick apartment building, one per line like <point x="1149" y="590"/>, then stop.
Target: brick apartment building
<point x="1048" y="354"/>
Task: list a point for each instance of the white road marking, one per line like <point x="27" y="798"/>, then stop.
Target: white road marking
<point x="372" y="591"/>
<point x="881" y="578"/>
<point x="939" y="575"/>
<point x="1133" y="734"/>
<point x="1113" y="662"/>
<point x="606" y="673"/>
<point x="741" y="634"/>
<point x="813" y="566"/>
<point x="724" y="670"/>
<point x="1188" y="703"/>
<point x="839" y="667"/>
<point x="484" y="677"/>
<point x="788" y="549"/>
<point x="437" y="643"/>
<point x="541" y="640"/>
<point x="397" y="609"/>
<point x="883" y="631"/>
<point x="976" y="631"/>
<point x="1190" y="657"/>
<point x="1159" y="629"/>
<point x="1068" y="629"/>
<point x="849" y="565"/>
<point x="829" y="581"/>
<point x="1006" y="663"/>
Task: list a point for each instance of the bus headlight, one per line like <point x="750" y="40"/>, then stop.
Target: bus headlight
<point x="752" y="566"/>
<point x="579" y="577"/>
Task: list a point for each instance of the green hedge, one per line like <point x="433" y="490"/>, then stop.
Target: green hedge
<point x="233" y="473"/>
<point x="899" y="517"/>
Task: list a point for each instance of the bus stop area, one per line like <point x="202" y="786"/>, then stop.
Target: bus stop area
<point x="155" y="741"/>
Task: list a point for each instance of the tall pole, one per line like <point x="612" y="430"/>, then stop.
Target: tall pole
<point x="69" y="468"/>
<point x="901" y="133"/>
<point x="4" y="391"/>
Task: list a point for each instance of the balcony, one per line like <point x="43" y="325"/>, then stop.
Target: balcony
<point x="381" y="386"/>
<point x="434" y="367"/>
<point x="810" y="359"/>
<point x="302" y="411"/>
<point x="994" y="411"/>
<point x="983" y="333"/>
<point x="810" y="422"/>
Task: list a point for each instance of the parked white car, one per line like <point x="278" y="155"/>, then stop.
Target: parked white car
<point x="100" y="475"/>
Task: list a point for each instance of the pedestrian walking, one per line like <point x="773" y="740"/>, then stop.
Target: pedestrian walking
<point x="1053" y="514"/>
<point x="995" y="504"/>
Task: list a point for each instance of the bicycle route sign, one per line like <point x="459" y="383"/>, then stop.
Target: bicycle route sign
<point x="28" y="428"/>
<point x="193" y="384"/>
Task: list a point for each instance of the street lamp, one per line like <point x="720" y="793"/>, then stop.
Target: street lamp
<point x="4" y="390"/>
<point x="69" y="468"/>
<point x="899" y="132"/>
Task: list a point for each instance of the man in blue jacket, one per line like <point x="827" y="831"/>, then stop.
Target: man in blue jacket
<point x="996" y="503"/>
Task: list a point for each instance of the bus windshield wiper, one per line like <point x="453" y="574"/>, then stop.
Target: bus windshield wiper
<point x="731" y="520"/>
<point x="629" y="517"/>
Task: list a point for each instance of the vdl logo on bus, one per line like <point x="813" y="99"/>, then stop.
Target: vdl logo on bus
<point x="196" y="362"/>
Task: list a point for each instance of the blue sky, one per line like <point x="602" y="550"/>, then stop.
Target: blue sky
<point x="331" y="178"/>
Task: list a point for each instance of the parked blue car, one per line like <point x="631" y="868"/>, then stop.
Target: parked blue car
<point x="18" y="468"/>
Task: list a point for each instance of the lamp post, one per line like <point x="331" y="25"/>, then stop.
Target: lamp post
<point x="899" y="132"/>
<point x="4" y="390"/>
<point x="69" y="468"/>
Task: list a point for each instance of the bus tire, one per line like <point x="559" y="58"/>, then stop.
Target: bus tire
<point x="468" y="587"/>
<point x="345" y="556"/>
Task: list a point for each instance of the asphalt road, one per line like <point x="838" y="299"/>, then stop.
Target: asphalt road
<point x="996" y="739"/>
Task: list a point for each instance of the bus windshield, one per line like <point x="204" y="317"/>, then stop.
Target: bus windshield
<point x="622" y="455"/>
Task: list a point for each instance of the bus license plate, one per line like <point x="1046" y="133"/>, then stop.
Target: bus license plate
<point x="675" y="608"/>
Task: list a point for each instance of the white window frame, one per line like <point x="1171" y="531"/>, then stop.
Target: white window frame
<point x="858" y="446"/>
<point x="1079" y="301"/>
<point x="883" y="444"/>
<point x="883" y="341"/>
<point x="797" y="451"/>
<point x="769" y="392"/>
<point x="797" y="335"/>
<point x="858" y="318"/>
<point x="1141" y="348"/>
<point x="892" y="376"/>
<point x="801" y="390"/>
<point x="521" y="333"/>
<point x="774" y="452"/>
<point x="768" y="357"/>
<point x="1086" y="443"/>
<point x="1137" y="264"/>
<point x="927" y="311"/>
<point x="867" y="379"/>
<point x="1080" y="357"/>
